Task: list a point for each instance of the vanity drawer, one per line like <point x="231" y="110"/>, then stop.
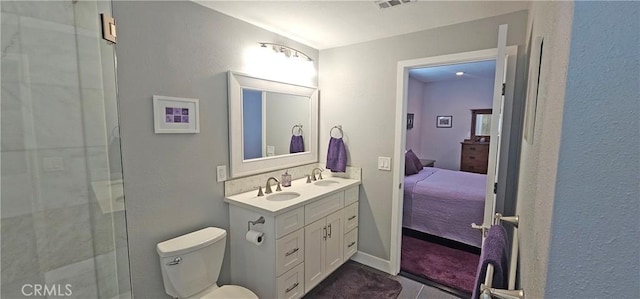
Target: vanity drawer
<point x="291" y="284"/>
<point x="350" y="217"/>
<point x="350" y="243"/>
<point x="351" y="195"/>
<point x="323" y="207"/>
<point x="289" y="251"/>
<point x="289" y="222"/>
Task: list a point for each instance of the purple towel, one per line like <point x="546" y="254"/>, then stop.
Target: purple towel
<point x="337" y="155"/>
<point x="296" y="145"/>
<point x="494" y="252"/>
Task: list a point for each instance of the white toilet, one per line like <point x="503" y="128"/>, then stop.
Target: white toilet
<point x="191" y="265"/>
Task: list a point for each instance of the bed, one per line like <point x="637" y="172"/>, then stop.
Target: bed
<point x="444" y="203"/>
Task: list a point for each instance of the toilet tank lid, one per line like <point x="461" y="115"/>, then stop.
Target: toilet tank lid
<point x="190" y="242"/>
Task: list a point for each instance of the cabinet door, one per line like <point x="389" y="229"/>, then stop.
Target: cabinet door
<point x="334" y="240"/>
<point x="314" y="253"/>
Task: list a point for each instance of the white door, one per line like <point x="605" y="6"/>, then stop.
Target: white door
<point x="496" y="127"/>
<point x="314" y="253"/>
<point x="333" y="244"/>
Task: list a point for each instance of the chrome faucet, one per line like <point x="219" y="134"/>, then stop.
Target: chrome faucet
<point x="313" y="173"/>
<point x="268" y="188"/>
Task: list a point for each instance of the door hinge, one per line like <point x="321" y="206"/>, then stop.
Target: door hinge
<point x="400" y="186"/>
<point x="108" y="28"/>
<point x="503" y="88"/>
<point x="495" y="188"/>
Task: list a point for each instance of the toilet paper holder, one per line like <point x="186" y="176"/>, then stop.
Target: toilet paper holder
<point x="250" y="223"/>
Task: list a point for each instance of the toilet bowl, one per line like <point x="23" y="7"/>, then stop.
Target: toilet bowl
<point x="191" y="266"/>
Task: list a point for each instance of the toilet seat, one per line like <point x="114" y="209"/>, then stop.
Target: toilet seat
<point x="229" y="291"/>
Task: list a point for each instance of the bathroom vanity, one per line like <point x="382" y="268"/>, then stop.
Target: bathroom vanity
<point x="310" y="229"/>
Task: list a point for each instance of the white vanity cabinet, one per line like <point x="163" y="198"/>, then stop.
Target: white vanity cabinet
<point x="301" y="247"/>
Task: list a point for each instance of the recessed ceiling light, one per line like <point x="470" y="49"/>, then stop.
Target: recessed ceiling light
<point x="459" y="73"/>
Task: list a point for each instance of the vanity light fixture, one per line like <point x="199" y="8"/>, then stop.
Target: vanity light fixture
<point x="287" y="51"/>
<point x="459" y="73"/>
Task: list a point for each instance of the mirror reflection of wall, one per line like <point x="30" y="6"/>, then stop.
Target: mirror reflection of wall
<point x="268" y="119"/>
<point x="481" y="125"/>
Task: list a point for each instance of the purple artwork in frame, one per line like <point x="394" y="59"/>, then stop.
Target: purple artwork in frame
<point x="175" y="115"/>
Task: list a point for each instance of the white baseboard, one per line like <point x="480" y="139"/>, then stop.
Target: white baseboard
<point x="372" y="261"/>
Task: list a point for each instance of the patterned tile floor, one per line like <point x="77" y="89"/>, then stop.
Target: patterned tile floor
<point x="410" y="289"/>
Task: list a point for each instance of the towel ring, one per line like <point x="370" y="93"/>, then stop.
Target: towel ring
<point x="339" y="127"/>
<point x="299" y="130"/>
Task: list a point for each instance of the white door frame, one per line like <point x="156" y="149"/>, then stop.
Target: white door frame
<point x="400" y="128"/>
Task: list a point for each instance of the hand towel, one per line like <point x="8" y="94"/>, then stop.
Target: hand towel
<point x="296" y="145"/>
<point x="337" y="155"/>
<point x="494" y="252"/>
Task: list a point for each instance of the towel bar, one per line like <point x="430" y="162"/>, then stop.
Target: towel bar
<point x="486" y="291"/>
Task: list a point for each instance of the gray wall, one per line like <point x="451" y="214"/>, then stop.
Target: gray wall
<point x="456" y="98"/>
<point x="578" y="191"/>
<point x="358" y="84"/>
<point x="595" y="244"/>
<point x="176" y="49"/>
<point x="415" y="93"/>
<point x="539" y="156"/>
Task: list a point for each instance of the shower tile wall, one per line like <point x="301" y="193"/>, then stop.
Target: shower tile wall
<point x="59" y="132"/>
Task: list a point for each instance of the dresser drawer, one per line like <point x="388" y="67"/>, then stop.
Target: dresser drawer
<point x="291" y="284"/>
<point x="289" y="251"/>
<point x="351" y="195"/>
<point x="350" y="217"/>
<point x="323" y="207"/>
<point x="289" y="222"/>
<point x="350" y="243"/>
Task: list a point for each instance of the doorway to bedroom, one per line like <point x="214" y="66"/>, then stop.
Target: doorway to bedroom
<point x="446" y="159"/>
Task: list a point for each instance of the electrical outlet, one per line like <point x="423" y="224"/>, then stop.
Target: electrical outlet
<point x="221" y="171"/>
<point x="384" y="163"/>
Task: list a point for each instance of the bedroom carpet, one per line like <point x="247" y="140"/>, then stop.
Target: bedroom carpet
<point x="447" y="266"/>
<point x="353" y="281"/>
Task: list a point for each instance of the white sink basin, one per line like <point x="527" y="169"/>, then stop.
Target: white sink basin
<point x="325" y="183"/>
<point x="282" y="196"/>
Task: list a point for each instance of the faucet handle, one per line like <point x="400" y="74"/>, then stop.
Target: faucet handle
<point x="308" y="179"/>
<point x="278" y="188"/>
<point x="260" y="191"/>
<point x="320" y="175"/>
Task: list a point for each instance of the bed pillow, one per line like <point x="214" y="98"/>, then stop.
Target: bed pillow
<point x="415" y="160"/>
<point x="409" y="166"/>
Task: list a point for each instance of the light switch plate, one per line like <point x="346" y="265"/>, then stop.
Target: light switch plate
<point x="384" y="163"/>
<point x="221" y="173"/>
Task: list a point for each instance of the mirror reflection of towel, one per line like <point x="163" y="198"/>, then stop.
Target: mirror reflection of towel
<point x="337" y="155"/>
<point x="296" y="145"/>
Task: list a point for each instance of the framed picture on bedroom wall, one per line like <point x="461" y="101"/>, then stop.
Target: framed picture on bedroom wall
<point x="444" y="121"/>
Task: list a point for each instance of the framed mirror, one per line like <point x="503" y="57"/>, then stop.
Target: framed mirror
<point x="481" y="125"/>
<point x="272" y="125"/>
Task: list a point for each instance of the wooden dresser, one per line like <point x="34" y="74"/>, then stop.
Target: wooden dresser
<point x="474" y="157"/>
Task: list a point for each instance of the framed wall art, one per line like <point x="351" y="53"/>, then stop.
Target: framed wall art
<point x="444" y="121"/>
<point x="175" y="115"/>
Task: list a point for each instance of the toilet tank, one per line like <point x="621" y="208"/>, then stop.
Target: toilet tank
<point x="191" y="263"/>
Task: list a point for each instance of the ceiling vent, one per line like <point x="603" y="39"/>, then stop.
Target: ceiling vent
<point x="391" y="3"/>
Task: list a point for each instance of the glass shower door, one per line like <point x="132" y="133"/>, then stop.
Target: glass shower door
<point x="62" y="208"/>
